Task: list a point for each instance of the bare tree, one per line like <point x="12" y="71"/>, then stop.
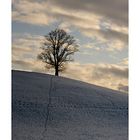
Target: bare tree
<point x="58" y="48"/>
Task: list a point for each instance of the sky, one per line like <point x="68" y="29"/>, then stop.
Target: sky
<point x="100" y="28"/>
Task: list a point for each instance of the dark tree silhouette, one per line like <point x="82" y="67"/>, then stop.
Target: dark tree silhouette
<point x="58" y="48"/>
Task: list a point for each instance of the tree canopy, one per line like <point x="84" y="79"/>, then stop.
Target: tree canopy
<point x="58" y="48"/>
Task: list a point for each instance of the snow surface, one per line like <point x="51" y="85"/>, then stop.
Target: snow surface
<point x="46" y="107"/>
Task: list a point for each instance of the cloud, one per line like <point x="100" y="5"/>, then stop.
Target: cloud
<point x="32" y="12"/>
<point x="106" y="45"/>
<point x="26" y="46"/>
<point x="124" y="62"/>
<point x="117" y="11"/>
<point x="107" y="75"/>
<point x="123" y="88"/>
<point x="32" y="18"/>
<point x="30" y="65"/>
<point x="112" y="69"/>
<point x="105" y="20"/>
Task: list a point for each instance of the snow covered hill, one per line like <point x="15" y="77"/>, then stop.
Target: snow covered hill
<point x="46" y="107"/>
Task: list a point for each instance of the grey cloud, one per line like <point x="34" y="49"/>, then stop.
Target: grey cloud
<point x="109" y="75"/>
<point x="23" y="64"/>
<point x="99" y="73"/>
<point x="109" y="35"/>
<point x="26" y="47"/>
<point x="63" y="11"/>
<point x="116" y="71"/>
<point x="21" y="49"/>
<point x="123" y="88"/>
<point x="115" y="35"/>
<point x="116" y="10"/>
<point x="28" y="65"/>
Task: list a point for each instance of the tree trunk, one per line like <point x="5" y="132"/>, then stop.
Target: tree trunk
<point x="56" y="71"/>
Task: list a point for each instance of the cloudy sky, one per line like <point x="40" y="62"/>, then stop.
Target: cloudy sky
<point x="99" y="26"/>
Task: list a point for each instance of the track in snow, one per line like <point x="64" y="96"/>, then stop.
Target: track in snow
<point x="46" y="107"/>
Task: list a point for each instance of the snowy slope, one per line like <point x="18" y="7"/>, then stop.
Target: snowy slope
<point x="46" y="107"/>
